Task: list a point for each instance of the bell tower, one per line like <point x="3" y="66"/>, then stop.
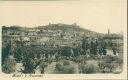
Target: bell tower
<point x="108" y="31"/>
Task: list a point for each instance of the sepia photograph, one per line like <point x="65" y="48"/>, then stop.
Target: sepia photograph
<point x="63" y="37"/>
<point x="60" y="49"/>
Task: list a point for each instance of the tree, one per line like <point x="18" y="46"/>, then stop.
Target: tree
<point x="93" y="48"/>
<point x="5" y="52"/>
<point x="9" y="66"/>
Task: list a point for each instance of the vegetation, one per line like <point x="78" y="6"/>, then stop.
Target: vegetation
<point x="9" y="66"/>
<point x="88" y="68"/>
<point x="109" y="63"/>
<point x="65" y="67"/>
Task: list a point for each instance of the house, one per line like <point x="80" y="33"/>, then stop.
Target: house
<point x="44" y="39"/>
<point x="25" y="38"/>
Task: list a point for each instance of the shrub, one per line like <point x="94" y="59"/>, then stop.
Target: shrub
<point x="65" y="62"/>
<point x="59" y="67"/>
<point x="69" y="69"/>
<point x="109" y="63"/>
<point x="81" y="58"/>
<point x="88" y="68"/>
<point x="106" y="67"/>
<point x="42" y="66"/>
<point x="29" y="65"/>
<point x="65" y="67"/>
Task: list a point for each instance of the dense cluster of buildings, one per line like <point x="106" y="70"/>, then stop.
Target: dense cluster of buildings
<point x="46" y="36"/>
<point x="41" y="36"/>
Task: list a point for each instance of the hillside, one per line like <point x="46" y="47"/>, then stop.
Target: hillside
<point x="43" y="46"/>
<point x="66" y="27"/>
<point x="57" y="34"/>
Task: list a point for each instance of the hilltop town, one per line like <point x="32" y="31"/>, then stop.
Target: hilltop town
<point x="52" y="34"/>
<point x="44" y="45"/>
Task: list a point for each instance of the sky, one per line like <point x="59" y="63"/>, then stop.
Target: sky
<point x="96" y="15"/>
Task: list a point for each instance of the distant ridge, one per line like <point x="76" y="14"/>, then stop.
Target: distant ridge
<point x="64" y="28"/>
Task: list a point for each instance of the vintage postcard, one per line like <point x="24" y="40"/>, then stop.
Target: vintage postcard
<point x="63" y="40"/>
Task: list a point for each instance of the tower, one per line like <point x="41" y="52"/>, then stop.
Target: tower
<point x="108" y="31"/>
